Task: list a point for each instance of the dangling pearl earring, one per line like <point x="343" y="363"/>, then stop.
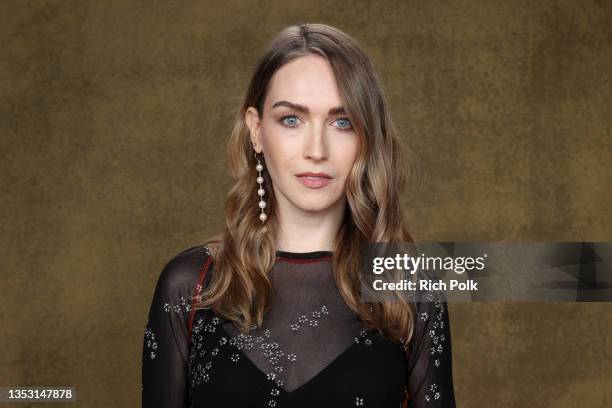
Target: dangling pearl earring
<point x="261" y="191"/>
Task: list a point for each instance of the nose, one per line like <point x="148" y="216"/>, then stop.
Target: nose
<point x="315" y="144"/>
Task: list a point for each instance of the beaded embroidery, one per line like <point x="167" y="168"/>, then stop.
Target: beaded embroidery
<point x="200" y="373"/>
<point x="151" y="343"/>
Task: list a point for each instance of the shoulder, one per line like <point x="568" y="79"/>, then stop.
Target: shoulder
<point x="183" y="271"/>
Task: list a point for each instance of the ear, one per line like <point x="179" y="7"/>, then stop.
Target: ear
<point x="254" y="124"/>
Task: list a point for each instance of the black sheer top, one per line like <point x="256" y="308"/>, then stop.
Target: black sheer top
<point x="311" y="351"/>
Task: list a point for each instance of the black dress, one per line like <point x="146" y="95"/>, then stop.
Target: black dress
<point x="312" y="350"/>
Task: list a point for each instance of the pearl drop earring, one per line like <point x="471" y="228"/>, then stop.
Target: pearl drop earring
<point x="261" y="191"/>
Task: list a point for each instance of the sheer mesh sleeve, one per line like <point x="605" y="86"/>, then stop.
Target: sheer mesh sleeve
<point x="165" y="350"/>
<point x="430" y="381"/>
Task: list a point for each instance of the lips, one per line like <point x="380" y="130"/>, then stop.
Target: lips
<point x="314" y="180"/>
<point x="311" y="174"/>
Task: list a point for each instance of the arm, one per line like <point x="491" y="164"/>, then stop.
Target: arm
<point x="430" y="374"/>
<point x="165" y="352"/>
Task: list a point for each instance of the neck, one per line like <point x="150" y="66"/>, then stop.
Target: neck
<point x="308" y="231"/>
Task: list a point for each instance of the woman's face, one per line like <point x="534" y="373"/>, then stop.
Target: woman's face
<point x="303" y="129"/>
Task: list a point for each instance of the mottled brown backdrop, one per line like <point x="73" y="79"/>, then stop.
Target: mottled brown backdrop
<point x="113" y="121"/>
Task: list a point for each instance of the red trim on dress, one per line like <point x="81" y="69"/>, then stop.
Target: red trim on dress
<point x="196" y="292"/>
<point x="299" y="261"/>
<point x="406" y="395"/>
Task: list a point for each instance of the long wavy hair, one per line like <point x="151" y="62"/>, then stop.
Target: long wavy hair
<point x="243" y="254"/>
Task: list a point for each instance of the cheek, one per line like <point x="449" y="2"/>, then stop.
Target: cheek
<point x="346" y="154"/>
<point x="272" y="166"/>
<point x="278" y="154"/>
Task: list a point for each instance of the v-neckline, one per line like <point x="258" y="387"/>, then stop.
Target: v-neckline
<point x="321" y="372"/>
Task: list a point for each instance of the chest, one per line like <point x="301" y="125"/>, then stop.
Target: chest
<point x="304" y="366"/>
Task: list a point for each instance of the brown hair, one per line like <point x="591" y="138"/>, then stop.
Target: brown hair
<point x="245" y="252"/>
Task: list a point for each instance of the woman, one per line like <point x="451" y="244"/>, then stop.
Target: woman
<point x="268" y="312"/>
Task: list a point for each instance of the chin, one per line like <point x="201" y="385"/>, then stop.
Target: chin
<point x="315" y="204"/>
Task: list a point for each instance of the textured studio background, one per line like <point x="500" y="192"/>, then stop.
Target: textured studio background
<point x="113" y="122"/>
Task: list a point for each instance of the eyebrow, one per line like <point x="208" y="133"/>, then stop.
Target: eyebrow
<point x="304" y="109"/>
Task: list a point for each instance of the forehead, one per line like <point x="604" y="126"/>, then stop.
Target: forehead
<point x="307" y="80"/>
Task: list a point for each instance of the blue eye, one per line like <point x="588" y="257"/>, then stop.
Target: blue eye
<point x="293" y="117"/>
<point x="347" y="123"/>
